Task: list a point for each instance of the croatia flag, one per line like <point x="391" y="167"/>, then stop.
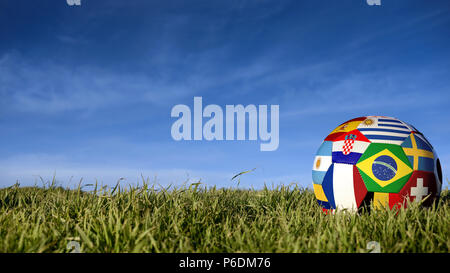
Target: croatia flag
<point x="348" y="147"/>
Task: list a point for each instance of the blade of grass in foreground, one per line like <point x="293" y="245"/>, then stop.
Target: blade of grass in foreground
<point x="198" y="219"/>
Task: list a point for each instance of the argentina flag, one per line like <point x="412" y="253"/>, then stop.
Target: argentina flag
<point x="322" y="162"/>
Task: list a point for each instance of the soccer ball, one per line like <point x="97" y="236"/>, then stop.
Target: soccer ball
<point x="375" y="159"/>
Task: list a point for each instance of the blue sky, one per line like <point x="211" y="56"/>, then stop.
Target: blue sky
<point x="86" y="91"/>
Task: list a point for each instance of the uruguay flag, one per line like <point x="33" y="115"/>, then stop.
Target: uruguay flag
<point x="385" y="130"/>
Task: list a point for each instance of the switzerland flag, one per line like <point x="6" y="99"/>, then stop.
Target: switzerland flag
<point x="421" y="186"/>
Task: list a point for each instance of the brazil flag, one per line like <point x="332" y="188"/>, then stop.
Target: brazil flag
<point x="384" y="168"/>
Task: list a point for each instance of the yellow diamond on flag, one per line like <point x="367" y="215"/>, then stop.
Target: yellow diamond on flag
<point x="384" y="168"/>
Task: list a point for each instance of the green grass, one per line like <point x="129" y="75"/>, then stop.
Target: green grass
<point x="196" y="219"/>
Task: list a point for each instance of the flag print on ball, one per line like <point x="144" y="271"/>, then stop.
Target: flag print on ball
<point x="348" y="144"/>
<point x="344" y="128"/>
<point x="384" y="168"/>
<point x="419" y="152"/>
<point x="385" y="130"/>
<point x="321" y="162"/>
<point x="344" y="187"/>
<point x="375" y="159"/>
<point x="420" y="187"/>
<point x="348" y="147"/>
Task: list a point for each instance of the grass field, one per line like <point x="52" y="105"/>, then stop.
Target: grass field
<point x="197" y="219"/>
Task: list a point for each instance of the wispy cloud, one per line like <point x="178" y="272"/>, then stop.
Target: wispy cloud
<point x="371" y="91"/>
<point x="51" y="87"/>
<point x="30" y="169"/>
<point x="409" y="26"/>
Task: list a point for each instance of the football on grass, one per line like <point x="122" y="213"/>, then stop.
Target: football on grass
<point x="375" y="160"/>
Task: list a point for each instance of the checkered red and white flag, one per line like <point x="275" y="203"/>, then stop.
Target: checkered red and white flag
<point x="348" y="144"/>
